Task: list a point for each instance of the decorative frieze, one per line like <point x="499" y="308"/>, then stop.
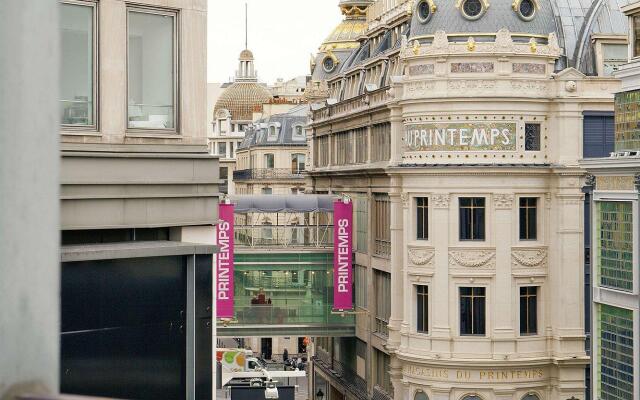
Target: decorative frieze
<point x="440" y="200"/>
<point x="474" y="67"/>
<point x="468" y="85"/>
<point x="421" y="256"/>
<point x="503" y="201"/>
<point x="529" y="258"/>
<point x="421" y="69"/>
<point x="528" y="68"/>
<point x="419" y="89"/>
<point x="472" y="258"/>
<point x="527" y="86"/>
<point x="615" y="182"/>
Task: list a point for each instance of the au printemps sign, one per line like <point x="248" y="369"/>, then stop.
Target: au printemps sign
<point x="476" y="136"/>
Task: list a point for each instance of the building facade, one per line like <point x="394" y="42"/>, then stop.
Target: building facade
<point x="615" y="187"/>
<point x="457" y="129"/>
<point x="138" y="198"/>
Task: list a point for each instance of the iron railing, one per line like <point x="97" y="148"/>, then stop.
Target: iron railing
<point x="342" y="373"/>
<point x="284" y="236"/>
<point x="267" y="174"/>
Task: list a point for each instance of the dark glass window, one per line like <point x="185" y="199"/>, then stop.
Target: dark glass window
<point x="527" y="8"/>
<point x="472" y="215"/>
<point x="528" y="218"/>
<point x="472" y="8"/>
<point x="529" y="310"/>
<point x="422" y="298"/>
<point x="472" y="310"/>
<point x="532" y="137"/>
<point x="422" y="217"/>
<point x="424" y="11"/>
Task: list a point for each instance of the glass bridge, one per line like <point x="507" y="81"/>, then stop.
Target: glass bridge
<point x="283" y="279"/>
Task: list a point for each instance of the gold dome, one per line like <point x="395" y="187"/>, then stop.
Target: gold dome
<point x="246" y="54"/>
<point x="241" y="98"/>
<point x="345" y="35"/>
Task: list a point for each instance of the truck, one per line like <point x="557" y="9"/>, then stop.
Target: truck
<point x="241" y="364"/>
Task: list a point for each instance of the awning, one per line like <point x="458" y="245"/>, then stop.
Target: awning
<point x="286" y="203"/>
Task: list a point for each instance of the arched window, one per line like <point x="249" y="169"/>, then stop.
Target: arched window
<point x="472" y="397"/>
<point x="531" y="396"/>
<point x="421" y="396"/>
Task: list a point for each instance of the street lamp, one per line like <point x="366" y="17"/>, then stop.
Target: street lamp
<point x="319" y="394"/>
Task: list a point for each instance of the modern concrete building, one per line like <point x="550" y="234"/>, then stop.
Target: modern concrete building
<point x="615" y="182"/>
<point x="138" y="198"/>
<point x="457" y="130"/>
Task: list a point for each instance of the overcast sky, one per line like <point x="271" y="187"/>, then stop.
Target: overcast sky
<point x="282" y="35"/>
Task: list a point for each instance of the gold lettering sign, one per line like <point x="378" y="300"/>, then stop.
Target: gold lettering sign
<point x="482" y="375"/>
<point x="615" y="183"/>
<point x="493" y="136"/>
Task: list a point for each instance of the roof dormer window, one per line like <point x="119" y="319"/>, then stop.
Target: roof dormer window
<point x="298" y="133"/>
<point x="272" y="132"/>
<point x="472" y="9"/>
<point x="425" y="10"/>
<point x="526" y="9"/>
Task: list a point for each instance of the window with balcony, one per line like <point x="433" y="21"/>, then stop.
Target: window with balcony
<point x="77" y="68"/>
<point x="529" y="310"/>
<point x="269" y="160"/>
<point x="152" y="69"/>
<point x="472" y="218"/>
<point x="472" y="311"/>
<point x="528" y="218"/>
<point x="298" y="163"/>
<point x="382" y="227"/>
<point x="382" y="293"/>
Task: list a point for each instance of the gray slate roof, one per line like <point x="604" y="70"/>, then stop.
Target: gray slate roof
<point x="256" y="135"/>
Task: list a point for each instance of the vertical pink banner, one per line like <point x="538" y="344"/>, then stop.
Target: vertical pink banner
<point x="224" y="262"/>
<point x="342" y="255"/>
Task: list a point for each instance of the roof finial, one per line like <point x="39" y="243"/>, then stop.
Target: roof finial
<point x="246" y="26"/>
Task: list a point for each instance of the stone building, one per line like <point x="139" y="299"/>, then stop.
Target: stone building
<point x="457" y="129"/>
<point x="615" y="182"/>
<point x="138" y="200"/>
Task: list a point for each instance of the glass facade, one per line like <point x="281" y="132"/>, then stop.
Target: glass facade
<point x="615" y="353"/>
<point x="285" y="288"/>
<point x="615" y="244"/>
<point x="627" y="117"/>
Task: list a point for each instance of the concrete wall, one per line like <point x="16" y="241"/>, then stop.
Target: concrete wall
<point x="29" y="269"/>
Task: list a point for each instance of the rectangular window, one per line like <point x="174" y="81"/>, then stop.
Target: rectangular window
<point x="615" y="353"/>
<point x="381" y="142"/>
<point x="361" y="139"/>
<point x="382" y="377"/>
<point x="627" y="120"/>
<point x="343" y="154"/>
<point x="222" y="149"/>
<point x="269" y="161"/>
<point x="532" y="137"/>
<point x="382" y="228"/>
<point x="362" y="223"/>
<point x="614" y="55"/>
<point x="422" y="307"/>
<point x="615" y="244"/>
<point x="472" y="310"/>
<point x="422" y="218"/>
<point x="382" y="293"/>
<point x="636" y="35"/>
<point x="77" y="64"/>
<point x="528" y="218"/>
<point x="529" y="310"/>
<point x="472" y="216"/>
<point x="297" y="163"/>
<point x="361" y="286"/>
<point x="322" y="151"/>
<point x="267" y="190"/>
<point x="231" y="152"/>
<point x="151" y="69"/>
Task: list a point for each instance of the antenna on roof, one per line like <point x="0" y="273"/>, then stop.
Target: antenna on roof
<point x="246" y="26"/>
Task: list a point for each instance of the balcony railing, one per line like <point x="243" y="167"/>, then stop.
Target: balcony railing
<point x="267" y="173"/>
<point x="342" y="373"/>
<point x="272" y="314"/>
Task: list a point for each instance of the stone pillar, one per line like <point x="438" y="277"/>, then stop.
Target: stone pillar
<point x="396" y="263"/>
<point x="29" y="211"/>
<point x="503" y="301"/>
<point x="440" y="330"/>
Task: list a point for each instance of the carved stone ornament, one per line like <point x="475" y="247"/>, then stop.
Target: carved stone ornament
<point x="529" y="258"/>
<point x="419" y="256"/>
<point x="440" y="200"/>
<point x="504" y="41"/>
<point x="503" y="201"/>
<point x="472" y="258"/>
<point x="440" y="42"/>
<point x="405" y="199"/>
<point x="552" y="43"/>
<point x="571" y="86"/>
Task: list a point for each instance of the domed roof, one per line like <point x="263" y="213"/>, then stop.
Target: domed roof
<point x="246" y="54"/>
<point x="241" y="98"/>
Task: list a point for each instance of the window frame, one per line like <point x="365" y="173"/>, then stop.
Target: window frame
<point x="68" y="129"/>
<point x="484" y="222"/>
<point x="176" y="130"/>
<point x="486" y="314"/>
<point x="537" y="221"/>
<point x="417" y="298"/>
<point x="273" y="160"/>
<point x="520" y="313"/>
<point x="426" y="209"/>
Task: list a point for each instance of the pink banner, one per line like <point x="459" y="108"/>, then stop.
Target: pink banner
<point x="224" y="262"/>
<point x="342" y="255"/>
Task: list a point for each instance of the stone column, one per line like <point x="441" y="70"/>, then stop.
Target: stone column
<point x="396" y="263"/>
<point x="29" y="211"/>
<point x="441" y="326"/>
<point x="503" y="300"/>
